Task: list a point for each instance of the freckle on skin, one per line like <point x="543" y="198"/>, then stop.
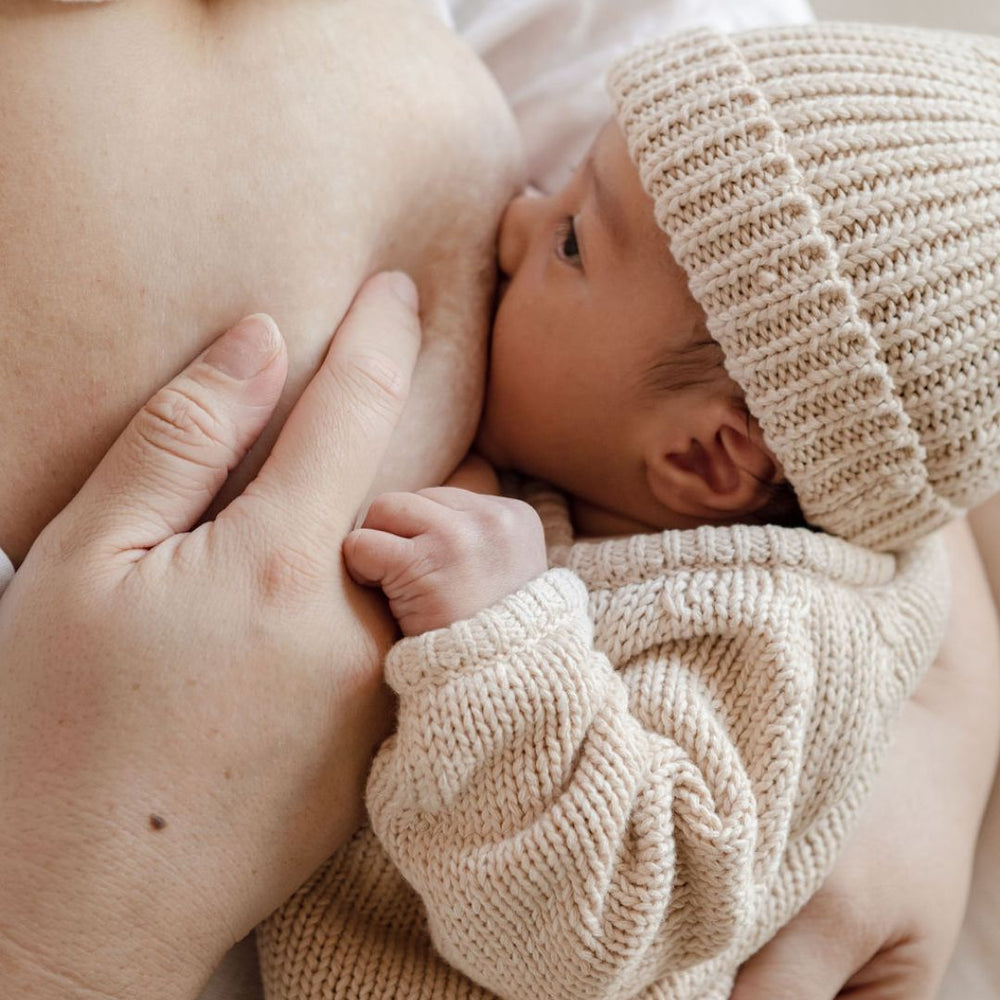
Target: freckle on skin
<point x="156" y="823"/>
<point x="227" y="774"/>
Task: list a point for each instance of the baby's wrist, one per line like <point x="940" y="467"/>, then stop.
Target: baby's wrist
<point x="460" y="600"/>
<point x="556" y="603"/>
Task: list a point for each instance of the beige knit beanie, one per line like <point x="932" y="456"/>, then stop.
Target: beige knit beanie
<point x="833" y="193"/>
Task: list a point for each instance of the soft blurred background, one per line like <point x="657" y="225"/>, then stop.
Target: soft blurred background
<point x="959" y="15"/>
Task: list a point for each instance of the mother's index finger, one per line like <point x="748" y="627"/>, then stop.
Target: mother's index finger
<point x="326" y="457"/>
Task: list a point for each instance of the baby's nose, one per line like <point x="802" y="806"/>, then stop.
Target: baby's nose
<point x="516" y="228"/>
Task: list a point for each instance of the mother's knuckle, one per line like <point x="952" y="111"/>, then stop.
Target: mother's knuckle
<point x="177" y="422"/>
<point x="375" y="378"/>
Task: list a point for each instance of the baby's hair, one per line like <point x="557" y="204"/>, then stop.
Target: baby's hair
<point x="782" y="505"/>
<point x="700" y="361"/>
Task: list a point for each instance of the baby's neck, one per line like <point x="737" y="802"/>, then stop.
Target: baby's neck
<point x="590" y="521"/>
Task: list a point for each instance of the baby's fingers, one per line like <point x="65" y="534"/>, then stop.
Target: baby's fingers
<point x="407" y="514"/>
<point x="375" y="557"/>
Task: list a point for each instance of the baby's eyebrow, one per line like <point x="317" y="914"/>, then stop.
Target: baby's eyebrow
<point x="609" y="209"/>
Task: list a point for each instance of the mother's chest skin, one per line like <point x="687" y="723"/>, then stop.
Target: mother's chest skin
<point x="167" y="167"/>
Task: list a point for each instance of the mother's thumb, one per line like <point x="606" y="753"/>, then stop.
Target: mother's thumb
<point x="175" y="454"/>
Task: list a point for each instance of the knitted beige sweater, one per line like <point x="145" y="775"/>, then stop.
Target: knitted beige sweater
<point x="622" y="779"/>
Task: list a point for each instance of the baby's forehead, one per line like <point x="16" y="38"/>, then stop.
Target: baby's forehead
<point x="627" y="208"/>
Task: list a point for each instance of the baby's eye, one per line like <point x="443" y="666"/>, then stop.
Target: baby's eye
<point x="567" y="248"/>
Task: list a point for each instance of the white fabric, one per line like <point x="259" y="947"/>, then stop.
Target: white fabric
<point x="6" y="571"/>
<point x="551" y="57"/>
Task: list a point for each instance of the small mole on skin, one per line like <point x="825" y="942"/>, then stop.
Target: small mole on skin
<point x="156" y="823"/>
<point x="227" y="774"/>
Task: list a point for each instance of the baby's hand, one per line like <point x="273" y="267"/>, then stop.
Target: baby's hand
<point x="443" y="554"/>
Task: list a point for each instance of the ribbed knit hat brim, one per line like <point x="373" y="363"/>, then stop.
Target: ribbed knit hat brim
<point x="833" y="193"/>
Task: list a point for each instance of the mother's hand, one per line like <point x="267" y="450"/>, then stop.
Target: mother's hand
<point x="187" y="716"/>
<point x="883" y="927"/>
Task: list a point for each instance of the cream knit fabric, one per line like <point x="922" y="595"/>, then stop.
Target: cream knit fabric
<point x="622" y="779"/>
<point x="833" y="193"/>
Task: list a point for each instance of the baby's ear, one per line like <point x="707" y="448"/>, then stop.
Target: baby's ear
<point x="713" y="465"/>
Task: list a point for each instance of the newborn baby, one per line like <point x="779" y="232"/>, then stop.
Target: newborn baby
<point x="629" y="749"/>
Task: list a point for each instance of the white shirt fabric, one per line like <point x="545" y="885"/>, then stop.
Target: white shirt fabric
<point x="6" y="571"/>
<point x="551" y="58"/>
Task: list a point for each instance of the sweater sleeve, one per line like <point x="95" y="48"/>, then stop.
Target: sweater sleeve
<point x="563" y="847"/>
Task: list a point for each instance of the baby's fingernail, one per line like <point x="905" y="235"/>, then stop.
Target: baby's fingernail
<point x="403" y="288"/>
<point x="247" y="348"/>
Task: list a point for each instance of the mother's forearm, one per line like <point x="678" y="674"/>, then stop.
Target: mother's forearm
<point x="985" y="524"/>
<point x="962" y="690"/>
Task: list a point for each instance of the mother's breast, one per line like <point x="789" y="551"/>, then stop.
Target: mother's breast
<point x="167" y="166"/>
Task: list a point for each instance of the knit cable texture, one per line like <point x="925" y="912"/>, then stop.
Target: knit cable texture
<point x="622" y="779"/>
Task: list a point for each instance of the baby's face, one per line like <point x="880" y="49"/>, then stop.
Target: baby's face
<point x="591" y="300"/>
